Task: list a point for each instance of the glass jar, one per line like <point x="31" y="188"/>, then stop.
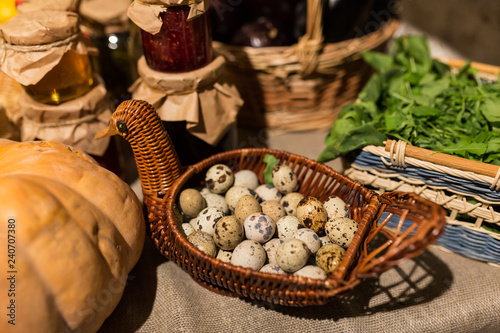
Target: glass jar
<point x="181" y="45"/>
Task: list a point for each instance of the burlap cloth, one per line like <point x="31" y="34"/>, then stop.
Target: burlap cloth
<point x="436" y="292"/>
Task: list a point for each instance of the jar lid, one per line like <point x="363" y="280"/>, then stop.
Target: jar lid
<point x="40" y="27"/>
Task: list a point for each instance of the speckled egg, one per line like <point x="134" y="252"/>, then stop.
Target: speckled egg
<point x="272" y="268"/>
<point x="313" y="272"/>
<point x="292" y="255"/>
<point x="325" y="240"/>
<point x="287" y="226"/>
<point x="219" y="178"/>
<point x="246" y="178"/>
<point x="259" y="227"/>
<point x="329" y="257"/>
<point x="271" y="246"/>
<point x="336" y="207"/>
<point x="249" y="254"/>
<point x="203" y="242"/>
<point x="187" y="228"/>
<point x="290" y="202"/>
<point x="268" y="192"/>
<point x="224" y="256"/>
<point x="191" y="202"/>
<point x="228" y="233"/>
<point x="273" y="208"/>
<point x="246" y="205"/>
<point x="206" y="220"/>
<point x="284" y="179"/>
<point x="216" y="201"/>
<point x="310" y="238"/>
<point x="234" y="194"/>
<point x="312" y="214"/>
<point x="341" y="230"/>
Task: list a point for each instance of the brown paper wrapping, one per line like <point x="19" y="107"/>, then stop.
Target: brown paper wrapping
<point x="203" y="98"/>
<point x="146" y="13"/>
<point x="10" y="91"/>
<point x="24" y="58"/>
<point x="73" y="123"/>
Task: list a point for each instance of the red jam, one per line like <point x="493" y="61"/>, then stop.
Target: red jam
<point x="181" y="45"/>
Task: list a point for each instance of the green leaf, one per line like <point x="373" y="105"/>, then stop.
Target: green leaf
<point x="491" y="109"/>
<point x="425" y="111"/>
<point x="270" y="161"/>
<point x="380" y="61"/>
<point x="433" y="89"/>
<point x="371" y="91"/>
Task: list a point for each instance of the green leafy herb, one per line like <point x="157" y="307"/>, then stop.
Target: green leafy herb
<point x="270" y="161"/>
<point x="415" y="98"/>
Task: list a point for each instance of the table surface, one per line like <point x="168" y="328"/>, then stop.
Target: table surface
<point x="437" y="291"/>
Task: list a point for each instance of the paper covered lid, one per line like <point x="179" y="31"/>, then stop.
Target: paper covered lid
<point x="39" y="27"/>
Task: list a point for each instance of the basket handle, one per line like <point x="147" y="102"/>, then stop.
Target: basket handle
<point x="311" y="44"/>
<point x="420" y="223"/>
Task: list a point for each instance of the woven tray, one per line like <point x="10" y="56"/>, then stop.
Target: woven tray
<point x="373" y="250"/>
<point x="303" y="86"/>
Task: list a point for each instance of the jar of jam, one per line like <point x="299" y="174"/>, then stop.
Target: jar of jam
<point x="176" y="38"/>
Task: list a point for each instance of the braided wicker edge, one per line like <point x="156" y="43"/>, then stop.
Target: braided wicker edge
<point x="294" y="290"/>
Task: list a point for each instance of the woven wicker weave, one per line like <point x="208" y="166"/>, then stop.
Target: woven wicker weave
<point x="162" y="183"/>
<point x="305" y="85"/>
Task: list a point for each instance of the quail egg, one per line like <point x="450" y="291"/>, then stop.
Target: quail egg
<point x="284" y="179"/>
<point x="310" y="238"/>
<point x="187" y="228"/>
<point x="267" y="192"/>
<point x="246" y="205"/>
<point x="259" y="227"/>
<point x="292" y="255"/>
<point x="272" y="268"/>
<point x="290" y="202"/>
<point x="224" y="256"/>
<point x="249" y="254"/>
<point x="336" y="207"/>
<point x="271" y="246"/>
<point x="329" y="257"/>
<point x="191" y="202"/>
<point x="246" y="178"/>
<point x="206" y="220"/>
<point x="228" y="232"/>
<point x="313" y="272"/>
<point x="216" y="201"/>
<point x="203" y="242"/>
<point x="341" y="230"/>
<point x="235" y="193"/>
<point x="312" y="214"/>
<point x="273" y="208"/>
<point x="325" y="240"/>
<point x="219" y="178"/>
<point x="287" y="226"/>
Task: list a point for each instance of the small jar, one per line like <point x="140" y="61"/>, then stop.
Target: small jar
<point x="46" y="53"/>
<point x="184" y="41"/>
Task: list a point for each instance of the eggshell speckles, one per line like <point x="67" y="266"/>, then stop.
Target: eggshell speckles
<point x="259" y="227"/>
<point x="287" y="226"/>
<point x="312" y="214"/>
<point x="284" y="179"/>
<point x="224" y="256"/>
<point x="228" y="233"/>
<point x="216" y="201"/>
<point x="272" y="268"/>
<point x="292" y="255"/>
<point x="207" y="219"/>
<point x="336" y="207"/>
<point x="234" y="194"/>
<point x="325" y="240"/>
<point x="341" y="230"/>
<point x="246" y="178"/>
<point x="203" y="242"/>
<point x="191" y="202"/>
<point x="290" y="202"/>
<point x="273" y="208"/>
<point x="246" y="205"/>
<point x="329" y="257"/>
<point x="267" y="192"/>
<point x="313" y="272"/>
<point x="310" y="238"/>
<point x="271" y="246"/>
<point x="187" y="228"/>
<point x="249" y="254"/>
<point x="219" y="178"/>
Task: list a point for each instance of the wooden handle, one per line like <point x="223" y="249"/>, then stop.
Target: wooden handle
<point x="483" y="68"/>
<point x="455" y="162"/>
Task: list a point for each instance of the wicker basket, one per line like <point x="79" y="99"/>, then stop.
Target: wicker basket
<point x="468" y="191"/>
<point x="305" y="85"/>
<point x="373" y="250"/>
